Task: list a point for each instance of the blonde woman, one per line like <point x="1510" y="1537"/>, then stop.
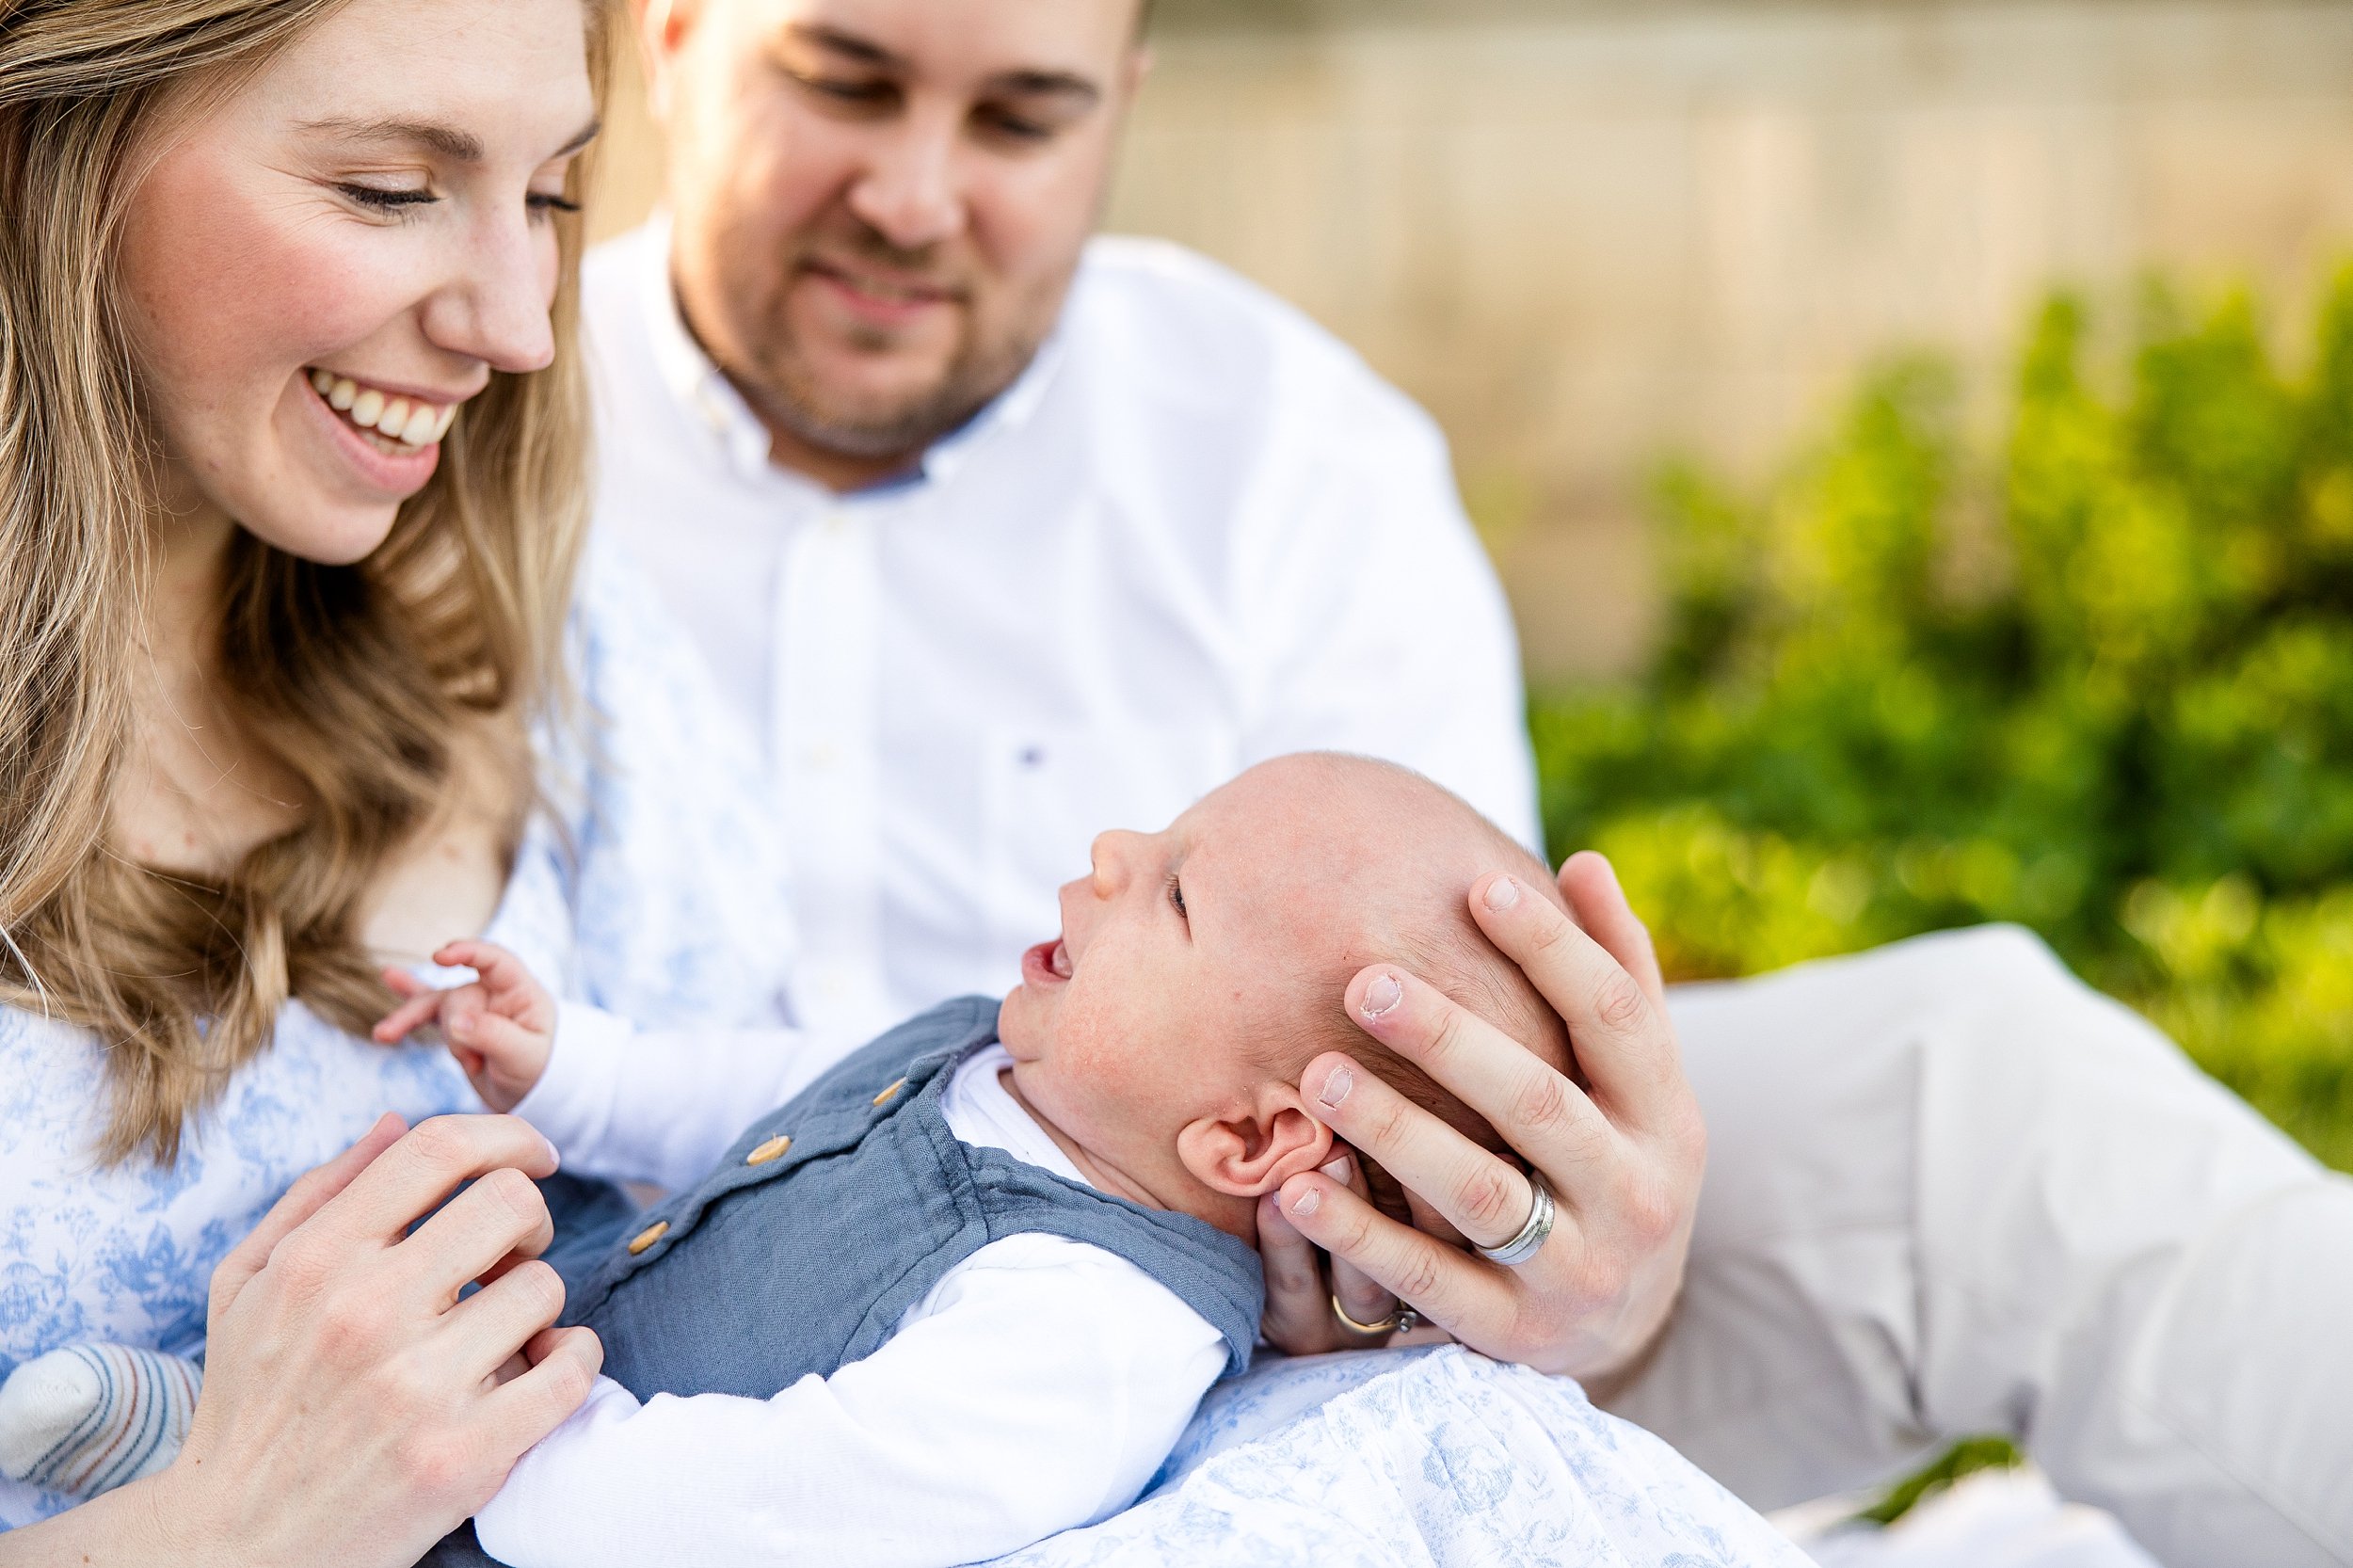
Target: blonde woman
<point x="292" y="458"/>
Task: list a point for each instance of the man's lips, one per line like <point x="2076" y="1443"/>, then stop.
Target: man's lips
<point x="1047" y="964"/>
<point x="880" y="297"/>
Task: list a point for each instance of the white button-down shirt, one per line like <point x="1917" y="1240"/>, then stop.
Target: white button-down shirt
<point x="1198" y="532"/>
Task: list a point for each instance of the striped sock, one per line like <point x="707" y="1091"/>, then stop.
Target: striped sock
<point x="87" y="1419"/>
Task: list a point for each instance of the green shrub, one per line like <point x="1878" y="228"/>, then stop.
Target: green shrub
<point x="2099" y="681"/>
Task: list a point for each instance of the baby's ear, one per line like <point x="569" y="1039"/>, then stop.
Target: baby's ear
<point x="1250" y="1154"/>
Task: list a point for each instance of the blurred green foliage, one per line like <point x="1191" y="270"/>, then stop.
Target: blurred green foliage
<point x="2099" y="681"/>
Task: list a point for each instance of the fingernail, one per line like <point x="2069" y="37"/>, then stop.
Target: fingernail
<point x="554" y="1156"/>
<point x="1337" y="1083"/>
<point x="1502" y="893"/>
<point x="1306" y="1203"/>
<point x="1382" y="997"/>
<point x="1337" y="1169"/>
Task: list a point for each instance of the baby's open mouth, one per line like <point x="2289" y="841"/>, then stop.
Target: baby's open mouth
<point x="1059" y="960"/>
<point x="1049" y="962"/>
<point x="401" y="426"/>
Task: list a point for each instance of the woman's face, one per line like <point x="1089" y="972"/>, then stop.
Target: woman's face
<point x="323" y="267"/>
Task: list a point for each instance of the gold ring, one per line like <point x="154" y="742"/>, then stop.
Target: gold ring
<point x="1403" y="1318"/>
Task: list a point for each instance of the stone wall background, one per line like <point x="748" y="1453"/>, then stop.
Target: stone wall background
<point x="1589" y="233"/>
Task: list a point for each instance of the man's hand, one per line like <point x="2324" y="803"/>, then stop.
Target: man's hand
<point x="1623" y="1158"/>
<point x="502" y="1028"/>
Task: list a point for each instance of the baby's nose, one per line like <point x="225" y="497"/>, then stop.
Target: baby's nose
<point x="1111" y="857"/>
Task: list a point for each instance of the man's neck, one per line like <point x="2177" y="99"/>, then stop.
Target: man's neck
<point x="838" y="471"/>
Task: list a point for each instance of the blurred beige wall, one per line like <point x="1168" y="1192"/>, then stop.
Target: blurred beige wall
<point x="1585" y="233"/>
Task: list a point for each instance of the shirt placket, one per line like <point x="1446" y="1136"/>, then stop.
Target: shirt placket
<point x="826" y="702"/>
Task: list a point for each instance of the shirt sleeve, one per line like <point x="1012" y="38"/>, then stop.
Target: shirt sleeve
<point x="1373" y="615"/>
<point x="659" y="1105"/>
<point x="1036" y="1389"/>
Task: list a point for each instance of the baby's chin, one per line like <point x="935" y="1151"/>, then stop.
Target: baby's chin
<point x="1019" y="1026"/>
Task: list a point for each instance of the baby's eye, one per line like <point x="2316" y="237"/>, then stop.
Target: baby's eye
<point x="1176" y="896"/>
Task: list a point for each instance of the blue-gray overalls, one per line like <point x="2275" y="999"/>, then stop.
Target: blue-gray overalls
<point x="829" y="1218"/>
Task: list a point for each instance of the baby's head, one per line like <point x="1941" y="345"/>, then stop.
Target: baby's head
<point x="1201" y="969"/>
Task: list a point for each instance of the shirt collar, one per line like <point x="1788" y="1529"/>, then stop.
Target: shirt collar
<point x="707" y="394"/>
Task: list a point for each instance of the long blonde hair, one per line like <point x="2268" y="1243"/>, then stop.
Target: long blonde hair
<point x="352" y="677"/>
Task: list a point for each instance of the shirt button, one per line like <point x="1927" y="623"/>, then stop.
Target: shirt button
<point x="773" y="1150"/>
<point x="885" y="1098"/>
<point x="647" y="1237"/>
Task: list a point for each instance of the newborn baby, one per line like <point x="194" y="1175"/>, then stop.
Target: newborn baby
<point x="965" y="1290"/>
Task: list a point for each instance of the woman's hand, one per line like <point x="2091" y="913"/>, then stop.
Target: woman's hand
<point x="352" y="1412"/>
<point x="1624" y="1158"/>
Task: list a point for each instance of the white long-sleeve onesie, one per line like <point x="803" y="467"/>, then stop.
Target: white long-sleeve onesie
<point x="1036" y="1388"/>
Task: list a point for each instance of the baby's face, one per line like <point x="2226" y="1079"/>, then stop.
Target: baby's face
<point x="1185" y="958"/>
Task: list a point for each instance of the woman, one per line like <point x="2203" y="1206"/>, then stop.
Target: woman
<point x="266" y="680"/>
<point x="289" y="495"/>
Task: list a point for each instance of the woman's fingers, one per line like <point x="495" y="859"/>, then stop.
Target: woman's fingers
<point x="1298" y="1317"/>
<point x="1465" y="1298"/>
<point x="428" y="1164"/>
<point x="503" y="1214"/>
<point x="1622" y="1039"/>
<point x="564" y="1367"/>
<point x="496" y="1321"/>
<point x="306" y="1197"/>
<point x="1361" y="1296"/>
<point x="1535" y="1108"/>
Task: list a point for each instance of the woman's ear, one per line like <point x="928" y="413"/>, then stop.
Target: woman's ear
<point x="1249" y="1155"/>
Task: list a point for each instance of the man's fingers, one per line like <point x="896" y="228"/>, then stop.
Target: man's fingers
<point x="1622" y="1037"/>
<point x="426" y="1164"/>
<point x="1460" y="1296"/>
<point x="1298" y="1317"/>
<point x="1484" y="1198"/>
<point x="306" y="1197"/>
<point x="1590" y="883"/>
<point x="1537" y="1109"/>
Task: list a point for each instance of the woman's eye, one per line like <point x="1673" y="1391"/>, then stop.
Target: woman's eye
<point x="1013" y="127"/>
<point x="378" y="198"/>
<point x="1176" y="896"/>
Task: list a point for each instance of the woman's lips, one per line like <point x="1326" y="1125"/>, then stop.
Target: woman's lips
<point x="1047" y="964"/>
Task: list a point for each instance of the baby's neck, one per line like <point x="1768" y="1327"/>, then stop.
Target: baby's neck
<point x="1237" y="1217"/>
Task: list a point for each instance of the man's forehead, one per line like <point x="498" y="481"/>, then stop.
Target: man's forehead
<point x="977" y="39"/>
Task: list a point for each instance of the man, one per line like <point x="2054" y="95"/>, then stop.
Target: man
<point x="1000" y="535"/>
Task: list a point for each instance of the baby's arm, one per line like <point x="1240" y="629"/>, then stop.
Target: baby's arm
<point x="650" y="1106"/>
<point x="1036" y="1389"/>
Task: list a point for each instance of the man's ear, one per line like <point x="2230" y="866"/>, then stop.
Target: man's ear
<point x="1254" y="1152"/>
<point x="661" y="30"/>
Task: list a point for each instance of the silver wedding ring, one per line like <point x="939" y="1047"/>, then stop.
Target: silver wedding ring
<point x="1530" y="1240"/>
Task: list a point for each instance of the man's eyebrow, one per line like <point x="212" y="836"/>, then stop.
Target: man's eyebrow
<point x="1036" y="83"/>
<point x="1049" y="84"/>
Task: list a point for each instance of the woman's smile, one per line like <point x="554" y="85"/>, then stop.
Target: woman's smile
<point x="392" y="439"/>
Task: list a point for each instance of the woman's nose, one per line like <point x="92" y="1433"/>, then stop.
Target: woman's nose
<point x="496" y="306"/>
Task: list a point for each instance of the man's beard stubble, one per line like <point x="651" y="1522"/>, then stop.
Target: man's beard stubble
<point x="779" y="387"/>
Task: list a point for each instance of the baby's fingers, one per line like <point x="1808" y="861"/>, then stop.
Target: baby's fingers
<point x="410" y="1015"/>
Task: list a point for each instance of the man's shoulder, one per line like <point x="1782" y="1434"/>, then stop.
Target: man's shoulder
<point x="1167" y="320"/>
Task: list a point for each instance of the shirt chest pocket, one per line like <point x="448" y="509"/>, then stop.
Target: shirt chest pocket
<point x="1045" y="792"/>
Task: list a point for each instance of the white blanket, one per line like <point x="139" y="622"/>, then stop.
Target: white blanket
<point x="1425" y="1458"/>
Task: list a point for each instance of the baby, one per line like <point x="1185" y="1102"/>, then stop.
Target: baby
<point x="966" y="1290"/>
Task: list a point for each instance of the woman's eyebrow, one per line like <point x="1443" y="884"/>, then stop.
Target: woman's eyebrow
<point x="458" y="146"/>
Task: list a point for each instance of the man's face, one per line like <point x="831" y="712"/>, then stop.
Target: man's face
<point x="879" y="204"/>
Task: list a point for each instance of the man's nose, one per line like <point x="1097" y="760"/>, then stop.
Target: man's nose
<point x="495" y="305"/>
<point x="908" y="191"/>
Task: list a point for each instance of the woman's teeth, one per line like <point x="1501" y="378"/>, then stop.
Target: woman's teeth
<point x="395" y="425"/>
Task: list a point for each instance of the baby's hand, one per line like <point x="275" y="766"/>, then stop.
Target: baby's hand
<point x="500" y="1028"/>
